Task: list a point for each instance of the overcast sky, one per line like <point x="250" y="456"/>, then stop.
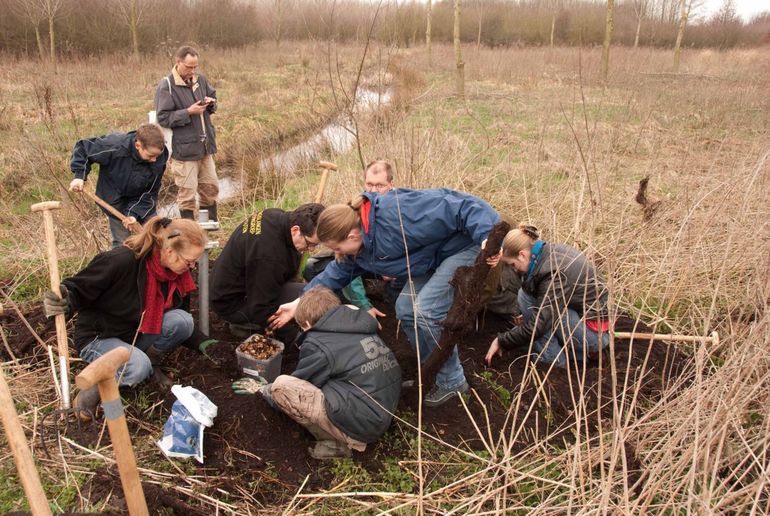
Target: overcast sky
<point x="744" y="8"/>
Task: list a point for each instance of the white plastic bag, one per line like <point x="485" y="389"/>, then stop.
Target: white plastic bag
<point x="183" y="431"/>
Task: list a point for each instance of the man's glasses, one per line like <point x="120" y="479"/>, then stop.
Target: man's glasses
<point x="376" y="186"/>
<point x="310" y="244"/>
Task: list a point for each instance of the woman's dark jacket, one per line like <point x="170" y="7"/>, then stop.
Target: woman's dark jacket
<point x="563" y="278"/>
<point x="108" y="295"/>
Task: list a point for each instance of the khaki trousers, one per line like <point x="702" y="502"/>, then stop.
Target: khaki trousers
<point x="304" y="403"/>
<point x="195" y="176"/>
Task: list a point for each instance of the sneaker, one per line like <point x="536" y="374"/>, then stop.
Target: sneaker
<point x="329" y="450"/>
<point x="440" y="395"/>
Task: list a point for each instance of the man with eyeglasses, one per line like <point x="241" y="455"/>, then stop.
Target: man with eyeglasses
<point x="257" y="270"/>
<point x="378" y="177"/>
<point x="184" y="102"/>
<point x="131" y="167"/>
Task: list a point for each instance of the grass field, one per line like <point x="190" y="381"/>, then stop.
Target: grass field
<point x="541" y="138"/>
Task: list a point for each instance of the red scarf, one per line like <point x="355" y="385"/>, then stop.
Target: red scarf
<point x="154" y="305"/>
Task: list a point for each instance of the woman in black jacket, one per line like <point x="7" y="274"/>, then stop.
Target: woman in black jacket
<point x="563" y="300"/>
<point x="131" y="296"/>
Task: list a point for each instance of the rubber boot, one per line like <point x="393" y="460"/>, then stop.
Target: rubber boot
<point x="212" y="212"/>
<point x="187" y="214"/>
<point x="158" y="376"/>
<point x="85" y="403"/>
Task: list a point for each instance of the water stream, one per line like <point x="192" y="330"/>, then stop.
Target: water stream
<point x="338" y="136"/>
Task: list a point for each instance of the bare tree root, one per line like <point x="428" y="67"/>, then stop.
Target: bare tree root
<point x="466" y="282"/>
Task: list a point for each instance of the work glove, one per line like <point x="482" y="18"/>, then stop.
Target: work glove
<point x="249" y="385"/>
<point x="54" y="305"/>
<point x="255" y="385"/>
<point x="204" y="346"/>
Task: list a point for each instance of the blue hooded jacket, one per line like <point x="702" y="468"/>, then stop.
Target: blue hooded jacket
<point x="437" y="223"/>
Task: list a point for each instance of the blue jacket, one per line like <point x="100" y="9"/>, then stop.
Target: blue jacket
<point x="438" y="224"/>
<point x="126" y="181"/>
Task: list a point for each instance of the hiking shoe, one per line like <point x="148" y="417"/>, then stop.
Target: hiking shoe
<point x="324" y="450"/>
<point x="160" y="378"/>
<point x="440" y="395"/>
<point x="85" y="403"/>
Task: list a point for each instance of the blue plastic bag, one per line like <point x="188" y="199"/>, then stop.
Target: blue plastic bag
<point x="183" y="431"/>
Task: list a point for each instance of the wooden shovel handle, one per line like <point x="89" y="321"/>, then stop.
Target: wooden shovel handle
<point x="111" y="209"/>
<point x="102" y="368"/>
<point x="25" y="465"/>
<point x="326" y="166"/>
<point x="101" y="372"/>
<point x="53" y="273"/>
<point x="713" y="338"/>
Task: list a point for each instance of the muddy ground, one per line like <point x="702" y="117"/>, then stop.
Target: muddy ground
<point x="255" y="449"/>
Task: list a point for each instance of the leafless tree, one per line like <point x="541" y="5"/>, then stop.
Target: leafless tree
<point x="683" y="12"/>
<point x="607" y="40"/>
<point x="553" y="27"/>
<point x="132" y="11"/>
<point x="480" y="7"/>
<point x="31" y="11"/>
<point x="640" y="7"/>
<point x="50" y="9"/>
<point x="460" y="79"/>
<point x="279" y="7"/>
<point x="428" y="29"/>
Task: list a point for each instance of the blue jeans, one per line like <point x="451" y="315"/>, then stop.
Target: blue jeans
<point x="434" y="297"/>
<point x="176" y="328"/>
<point x="569" y="328"/>
<point x="119" y="233"/>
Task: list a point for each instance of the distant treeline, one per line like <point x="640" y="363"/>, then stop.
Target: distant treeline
<point x="87" y="27"/>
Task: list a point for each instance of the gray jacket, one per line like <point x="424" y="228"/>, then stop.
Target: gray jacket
<point x="563" y="278"/>
<point x="194" y="136"/>
<point x="344" y="357"/>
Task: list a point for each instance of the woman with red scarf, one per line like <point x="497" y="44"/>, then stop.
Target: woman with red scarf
<point x="131" y="296"/>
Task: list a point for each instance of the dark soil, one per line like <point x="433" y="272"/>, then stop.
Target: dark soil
<point x="252" y="447"/>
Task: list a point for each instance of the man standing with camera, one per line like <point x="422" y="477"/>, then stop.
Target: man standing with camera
<point x="185" y="101"/>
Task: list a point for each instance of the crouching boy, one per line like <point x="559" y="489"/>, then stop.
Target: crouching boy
<point x="347" y="382"/>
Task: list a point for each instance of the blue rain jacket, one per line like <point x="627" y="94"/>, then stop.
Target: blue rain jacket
<point x="437" y="223"/>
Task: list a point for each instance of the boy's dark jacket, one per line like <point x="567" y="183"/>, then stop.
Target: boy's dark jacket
<point x="563" y="277"/>
<point x="108" y="295"/>
<point x="258" y="259"/>
<point x="344" y="357"/>
<point x="126" y="181"/>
